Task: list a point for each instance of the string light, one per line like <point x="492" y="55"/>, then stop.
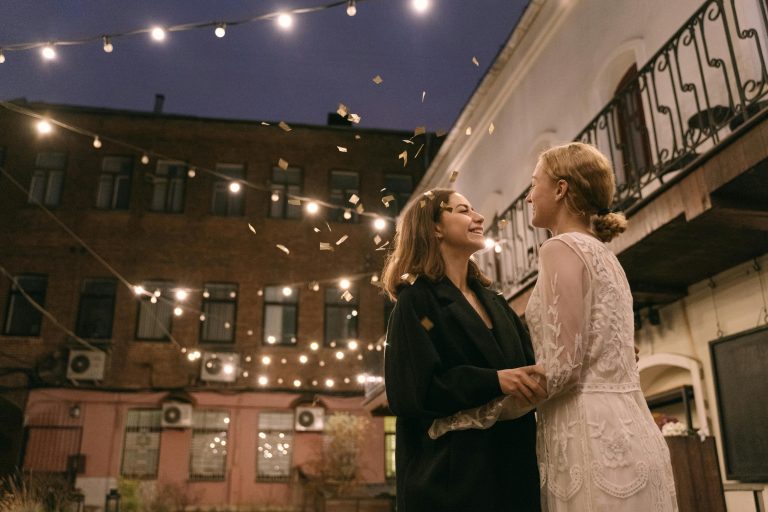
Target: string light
<point x="263" y="380"/>
<point x="178" y="311"/>
<point x="347" y="214"/>
<point x="158" y="34"/>
<point x="379" y="224"/>
<point x="312" y="208"/>
<point x="303" y="359"/>
<point x="107" y="44"/>
<point x="284" y="21"/>
<point x="275" y="197"/>
<point x="44" y="127"/>
<point x="48" y="52"/>
<point x="344" y="284"/>
<point x="352" y="345"/>
<point x="314" y="346"/>
<point x="145" y="159"/>
<point x="181" y="295"/>
<point x="329" y="383"/>
<point x="2" y="56"/>
<point x="420" y="6"/>
<point x="339" y="355"/>
<point x="287" y="291"/>
<point x="266" y="360"/>
<point x="221" y="30"/>
<point x="296" y="383"/>
<point x="96" y="143"/>
<point x="351" y="8"/>
<point x="234" y="187"/>
<point x="138" y="290"/>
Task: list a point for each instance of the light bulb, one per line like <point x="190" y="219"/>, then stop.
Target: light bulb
<point x="139" y="290"/>
<point x="229" y="369"/>
<point x="181" y="294"/>
<point x="312" y="208"/>
<point x="285" y="21"/>
<point x="145" y="159"/>
<point x="48" y="52"/>
<point x="96" y="142"/>
<point x="44" y="127"/>
<point x="158" y="34"/>
<point x="329" y="383"/>
<point x="221" y="30"/>
<point x="489" y="242"/>
<point x="191" y="173"/>
<point x="420" y="6"/>
<point x="2" y="57"/>
<point x="339" y="355"/>
<point x="314" y="346"/>
<point x="275" y="197"/>
<point x="497" y="249"/>
<point x="107" y="44"/>
<point x="352" y="345"/>
<point x="344" y="284"/>
<point x="263" y="381"/>
<point x="361" y="379"/>
<point x="351" y="8"/>
<point x="379" y="224"/>
<point x="178" y="311"/>
<point x="347" y="214"/>
<point x="296" y="383"/>
<point x="303" y="359"/>
<point x="234" y="187"/>
<point x="266" y="360"/>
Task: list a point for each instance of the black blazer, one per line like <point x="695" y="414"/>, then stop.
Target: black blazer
<point x="441" y="358"/>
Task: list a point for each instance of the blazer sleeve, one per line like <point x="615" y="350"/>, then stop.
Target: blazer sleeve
<point x="418" y="383"/>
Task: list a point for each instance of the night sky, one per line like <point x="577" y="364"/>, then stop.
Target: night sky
<point x="258" y="71"/>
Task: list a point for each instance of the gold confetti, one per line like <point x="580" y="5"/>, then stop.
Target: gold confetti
<point x="387" y="199"/>
<point x="440" y="133"/>
<point x="342" y="240"/>
<point x="475" y="62"/>
<point x="377" y="79"/>
<point x="427" y="323"/>
<point x="419" y="151"/>
<point x="283" y="248"/>
<point x="354" y="118"/>
<point x="328" y="226"/>
<point x="284" y="126"/>
<point x="251" y="228"/>
<point x="347" y="296"/>
<point x="354" y="199"/>
<point x="295" y="202"/>
<point x="422" y="203"/>
<point x="342" y="110"/>
<point x="453" y="177"/>
<point x="423" y="94"/>
<point x="444" y="206"/>
<point x="377" y="240"/>
<point x="407" y="141"/>
<point x="283" y="164"/>
<point x="325" y="246"/>
<point x="429" y="194"/>
<point x="265" y="124"/>
<point x="404" y="156"/>
<point x="410" y="278"/>
<point x="381" y="248"/>
<point x="491" y="129"/>
<point x="468" y="131"/>
<point x="359" y="208"/>
<point x="317" y="230"/>
<point x="419" y="130"/>
<point x="341" y="149"/>
<point x="501" y="223"/>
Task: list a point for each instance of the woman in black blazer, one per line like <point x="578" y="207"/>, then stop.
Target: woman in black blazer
<point x="453" y="344"/>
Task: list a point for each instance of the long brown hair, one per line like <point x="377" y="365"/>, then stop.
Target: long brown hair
<point x="416" y="247"/>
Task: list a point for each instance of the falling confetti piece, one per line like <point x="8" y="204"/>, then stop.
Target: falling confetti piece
<point x="357" y="137"/>
<point x="423" y="95"/>
<point x="407" y="141"/>
<point x="283" y="248"/>
<point x="342" y="110"/>
<point x="427" y="323"/>
<point x="354" y="199"/>
<point x="263" y="123"/>
<point x="377" y="240"/>
<point x="251" y="228"/>
<point x="328" y="226"/>
<point x="381" y="247"/>
<point x="454" y="176"/>
<point x="475" y="62"/>
<point x="377" y="79"/>
<point x="502" y="223"/>
<point x="317" y="230"/>
<point x="284" y="126"/>
<point x="342" y="240"/>
<point x="418" y="151"/>
<point x="419" y="130"/>
<point x="422" y="203"/>
<point x="347" y="296"/>
<point x="410" y="278"/>
<point x="354" y="118"/>
<point x="444" y="206"/>
<point x="387" y="199"/>
<point x="429" y="194"/>
<point x="404" y="156"/>
<point x="468" y="131"/>
<point x="283" y="164"/>
<point x="325" y="246"/>
<point x="359" y="208"/>
<point x="440" y="133"/>
<point x="294" y="202"/>
<point x="341" y="149"/>
<point x="491" y="129"/>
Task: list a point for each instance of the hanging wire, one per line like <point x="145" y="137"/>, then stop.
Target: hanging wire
<point x="764" y="311"/>
<point x="712" y="286"/>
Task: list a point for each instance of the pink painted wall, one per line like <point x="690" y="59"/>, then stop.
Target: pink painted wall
<point x="103" y="416"/>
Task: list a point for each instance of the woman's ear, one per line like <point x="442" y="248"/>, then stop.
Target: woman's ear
<point x="560" y="189"/>
<point x="438" y="233"/>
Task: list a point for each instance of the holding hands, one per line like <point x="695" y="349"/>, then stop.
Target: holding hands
<point x="527" y="384"/>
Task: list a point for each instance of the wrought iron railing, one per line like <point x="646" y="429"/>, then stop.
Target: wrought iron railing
<point x="708" y="79"/>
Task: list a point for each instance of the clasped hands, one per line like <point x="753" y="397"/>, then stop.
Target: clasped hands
<point x="526" y="385"/>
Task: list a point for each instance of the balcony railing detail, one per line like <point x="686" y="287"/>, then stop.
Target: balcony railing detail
<point x="708" y="79"/>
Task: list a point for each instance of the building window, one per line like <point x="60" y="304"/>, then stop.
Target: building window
<point x="168" y="185"/>
<point x="154" y="321"/>
<point x="281" y="314"/>
<point x="208" y="460"/>
<point x="285" y="182"/>
<point x="224" y="201"/>
<point x="219" y="311"/>
<point x="340" y="316"/>
<point x="21" y="317"/>
<point x="273" y="459"/>
<point x="400" y="186"/>
<point x="141" y="450"/>
<point x="389" y="447"/>
<point x="48" y="178"/>
<point x="114" y="183"/>
<point x="97" y="308"/>
<point x="343" y="184"/>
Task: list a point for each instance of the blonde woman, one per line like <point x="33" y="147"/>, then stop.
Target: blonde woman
<point x="598" y="447"/>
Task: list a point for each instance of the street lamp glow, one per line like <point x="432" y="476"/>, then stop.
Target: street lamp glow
<point x="285" y="21"/>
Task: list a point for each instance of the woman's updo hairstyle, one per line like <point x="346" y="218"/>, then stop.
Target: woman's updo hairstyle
<point x="591" y="185"/>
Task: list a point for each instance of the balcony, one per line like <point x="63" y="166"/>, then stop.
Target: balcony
<point x="688" y="138"/>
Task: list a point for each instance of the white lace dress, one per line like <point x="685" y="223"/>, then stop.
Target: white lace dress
<point x="597" y="444"/>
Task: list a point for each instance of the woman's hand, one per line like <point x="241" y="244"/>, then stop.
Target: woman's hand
<point x="526" y="384"/>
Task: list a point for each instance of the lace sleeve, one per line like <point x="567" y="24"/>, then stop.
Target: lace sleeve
<point x="565" y="302"/>
<point x="483" y="417"/>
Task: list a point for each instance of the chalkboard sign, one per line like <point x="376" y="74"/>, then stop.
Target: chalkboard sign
<point x="740" y="367"/>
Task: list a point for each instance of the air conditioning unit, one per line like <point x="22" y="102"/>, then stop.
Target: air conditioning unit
<point x="309" y="419"/>
<point x="219" y="367"/>
<point x="86" y="365"/>
<point x="176" y="415"/>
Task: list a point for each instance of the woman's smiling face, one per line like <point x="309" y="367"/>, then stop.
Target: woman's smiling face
<point x="460" y="226"/>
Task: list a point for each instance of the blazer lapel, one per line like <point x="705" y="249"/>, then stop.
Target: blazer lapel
<point x="473" y="325"/>
<point x="508" y="339"/>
